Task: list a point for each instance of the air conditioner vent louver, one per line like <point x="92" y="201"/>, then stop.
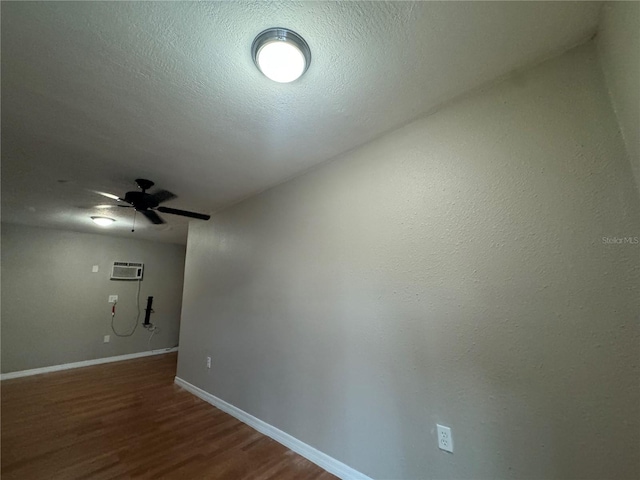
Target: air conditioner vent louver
<point x="127" y="271"/>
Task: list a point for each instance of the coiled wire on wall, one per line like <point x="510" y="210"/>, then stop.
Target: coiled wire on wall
<point x="153" y="329"/>
<point x="113" y="316"/>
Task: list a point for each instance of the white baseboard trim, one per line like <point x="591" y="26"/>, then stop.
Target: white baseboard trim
<point x="85" y="363"/>
<point x="323" y="460"/>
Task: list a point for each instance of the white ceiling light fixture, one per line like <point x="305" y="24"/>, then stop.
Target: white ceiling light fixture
<point x="103" y="221"/>
<point x="281" y="54"/>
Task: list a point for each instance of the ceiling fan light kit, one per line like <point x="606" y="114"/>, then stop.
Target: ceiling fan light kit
<point x="281" y="54"/>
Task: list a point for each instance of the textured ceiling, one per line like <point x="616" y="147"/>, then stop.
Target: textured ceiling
<point x="96" y="94"/>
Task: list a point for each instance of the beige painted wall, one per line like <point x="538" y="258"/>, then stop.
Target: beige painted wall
<point x="619" y="49"/>
<point x="452" y="271"/>
<point x="55" y="310"/>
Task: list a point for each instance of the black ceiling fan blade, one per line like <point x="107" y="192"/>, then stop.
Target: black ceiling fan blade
<point x="163" y="196"/>
<point x="152" y="216"/>
<point x="184" y="213"/>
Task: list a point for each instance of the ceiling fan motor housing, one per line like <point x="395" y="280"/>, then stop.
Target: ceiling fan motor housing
<point x="141" y="200"/>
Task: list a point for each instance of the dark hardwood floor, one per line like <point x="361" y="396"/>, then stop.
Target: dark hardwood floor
<point x="128" y="420"/>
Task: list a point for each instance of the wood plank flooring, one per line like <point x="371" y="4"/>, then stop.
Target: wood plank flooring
<point x="128" y="420"/>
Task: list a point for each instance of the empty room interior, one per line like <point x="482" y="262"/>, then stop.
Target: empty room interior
<point x="320" y="240"/>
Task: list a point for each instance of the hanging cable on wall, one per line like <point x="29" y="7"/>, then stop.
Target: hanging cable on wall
<point x="153" y="329"/>
<point x="113" y="316"/>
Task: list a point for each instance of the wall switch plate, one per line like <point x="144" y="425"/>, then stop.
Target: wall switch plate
<point x="95" y="269"/>
<point x="445" y="440"/>
<point x="208" y="362"/>
<point x="113" y="298"/>
<point x="107" y="338"/>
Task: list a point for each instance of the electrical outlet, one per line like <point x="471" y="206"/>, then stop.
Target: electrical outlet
<point x="113" y="298"/>
<point x="445" y="440"/>
<point x="107" y="338"/>
<point x="95" y="269"/>
<point x="208" y="362"/>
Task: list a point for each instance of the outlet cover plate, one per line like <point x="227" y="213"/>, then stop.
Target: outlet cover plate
<point x="113" y="298"/>
<point x="445" y="440"/>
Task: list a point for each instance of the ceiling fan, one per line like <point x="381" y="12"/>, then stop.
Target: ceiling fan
<point x="149" y="203"/>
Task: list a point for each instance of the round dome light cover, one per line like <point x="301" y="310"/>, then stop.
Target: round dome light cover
<point x="281" y="54"/>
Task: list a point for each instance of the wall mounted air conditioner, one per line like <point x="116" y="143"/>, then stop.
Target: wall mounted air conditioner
<point x="127" y="271"/>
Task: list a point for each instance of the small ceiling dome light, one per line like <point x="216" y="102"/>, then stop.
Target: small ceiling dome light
<point x="281" y="54"/>
<point x="103" y="221"/>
